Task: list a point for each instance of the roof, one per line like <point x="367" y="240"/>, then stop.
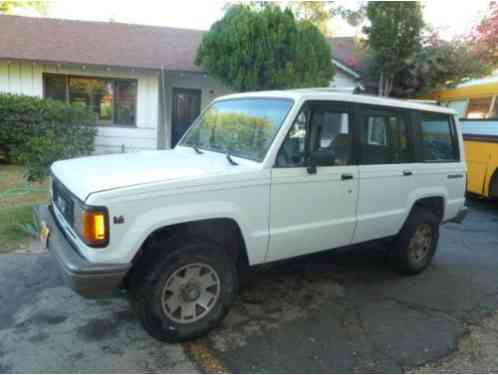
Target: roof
<point x="487" y="86"/>
<point x="348" y="51"/>
<point x="98" y="43"/>
<point x="121" y="44"/>
<point x="332" y="94"/>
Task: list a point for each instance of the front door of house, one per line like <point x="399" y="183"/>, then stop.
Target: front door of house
<point x="186" y="108"/>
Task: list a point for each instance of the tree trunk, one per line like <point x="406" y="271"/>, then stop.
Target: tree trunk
<point x="388" y="85"/>
<point x="380" y="88"/>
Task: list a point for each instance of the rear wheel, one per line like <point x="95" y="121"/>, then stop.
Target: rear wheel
<point x="416" y="243"/>
<point x="185" y="293"/>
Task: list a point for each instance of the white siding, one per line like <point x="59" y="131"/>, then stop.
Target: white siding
<point x="27" y="78"/>
<point x="21" y="78"/>
<point x="342" y="79"/>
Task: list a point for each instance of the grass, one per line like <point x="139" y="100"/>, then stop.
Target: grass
<point x="17" y="198"/>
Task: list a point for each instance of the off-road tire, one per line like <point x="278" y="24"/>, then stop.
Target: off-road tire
<point x="402" y="255"/>
<point x="147" y="283"/>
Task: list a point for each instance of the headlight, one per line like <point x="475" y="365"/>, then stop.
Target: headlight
<point x="92" y="224"/>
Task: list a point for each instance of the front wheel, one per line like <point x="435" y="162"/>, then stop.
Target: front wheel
<point x="416" y="243"/>
<point x="186" y="293"/>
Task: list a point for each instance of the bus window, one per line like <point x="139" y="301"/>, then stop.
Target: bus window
<point x="479" y="108"/>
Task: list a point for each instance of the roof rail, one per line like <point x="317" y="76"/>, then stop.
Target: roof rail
<point x="344" y="89"/>
<point x="423" y="101"/>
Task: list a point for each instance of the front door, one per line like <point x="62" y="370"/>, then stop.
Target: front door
<point x="186" y="108"/>
<point x="314" y="211"/>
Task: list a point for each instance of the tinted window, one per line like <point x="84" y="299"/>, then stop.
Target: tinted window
<point x="384" y="138"/>
<point x="438" y="138"/>
<point x="55" y="87"/>
<point x="330" y="141"/>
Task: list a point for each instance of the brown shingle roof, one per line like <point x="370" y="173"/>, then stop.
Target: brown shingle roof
<point x="118" y="44"/>
<point x="349" y="51"/>
<point x="98" y="43"/>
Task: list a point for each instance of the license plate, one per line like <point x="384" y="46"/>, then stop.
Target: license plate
<point x="44" y="234"/>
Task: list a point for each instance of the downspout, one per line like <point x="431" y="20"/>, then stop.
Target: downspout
<point x="163" y="109"/>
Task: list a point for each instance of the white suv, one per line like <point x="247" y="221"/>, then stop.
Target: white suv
<point x="259" y="177"/>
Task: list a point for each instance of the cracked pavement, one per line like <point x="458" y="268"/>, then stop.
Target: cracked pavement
<point x="339" y="311"/>
<point x="346" y="311"/>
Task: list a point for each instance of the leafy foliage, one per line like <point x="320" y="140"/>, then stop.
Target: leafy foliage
<point x="7" y="6"/>
<point x="485" y="37"/>
<point x="264" y="49"/>
<point x="316" y="12"/>
<point x="439" y="63"/>
<point x="36" y="132"/>
<point x="393" y="38"/>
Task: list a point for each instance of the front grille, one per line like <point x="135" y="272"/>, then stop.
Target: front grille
<point x="63" y="200"/>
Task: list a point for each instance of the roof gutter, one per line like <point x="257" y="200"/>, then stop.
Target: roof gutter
<point x="345" y="69"/>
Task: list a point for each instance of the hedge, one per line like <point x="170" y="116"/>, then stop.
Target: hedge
<point x="36" y="132"/>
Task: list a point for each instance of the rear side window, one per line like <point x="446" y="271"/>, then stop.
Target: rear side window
<point x="439" y="140"/>
<point x="384" y="138"/>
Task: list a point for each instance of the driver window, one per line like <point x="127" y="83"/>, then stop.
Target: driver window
<point x="330" y="140"/>
<point x="292" y="152"/>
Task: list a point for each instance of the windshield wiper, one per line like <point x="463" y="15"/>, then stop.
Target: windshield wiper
<point x="196" y="149"/>
<point x="230" y="160"/>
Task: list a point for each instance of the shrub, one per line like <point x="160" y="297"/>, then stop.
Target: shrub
<point x="36" y="132"/>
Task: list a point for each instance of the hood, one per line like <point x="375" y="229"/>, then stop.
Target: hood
<point x="83" y="176"/>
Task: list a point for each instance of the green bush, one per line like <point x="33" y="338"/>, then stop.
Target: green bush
<point x="36" y="132"/>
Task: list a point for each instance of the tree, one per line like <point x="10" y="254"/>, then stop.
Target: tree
<point x="438" y="63"/>
<point x="8" y="6"/>
<point x="393" y="38"/>
<point x="316" y="12"/>
<point x="264" y="49"/>
<point x="485" y="36"/>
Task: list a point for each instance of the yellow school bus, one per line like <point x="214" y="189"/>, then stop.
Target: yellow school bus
<point x="476" y="103"/>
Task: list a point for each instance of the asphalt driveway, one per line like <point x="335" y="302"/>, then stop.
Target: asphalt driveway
<point x="333" y="312"/>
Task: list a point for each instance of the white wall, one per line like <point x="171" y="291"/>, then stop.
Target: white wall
<point x="21" y="78"/>
<point x="27" y="78"/>
<point x="342" y="79"/>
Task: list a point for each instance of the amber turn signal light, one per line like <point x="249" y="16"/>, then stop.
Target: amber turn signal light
<point x="95" y="228"/>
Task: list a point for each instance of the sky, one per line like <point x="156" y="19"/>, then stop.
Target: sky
<point x="450" y="18"/>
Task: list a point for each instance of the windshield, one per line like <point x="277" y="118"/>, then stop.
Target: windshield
<point x="241" y="127"/>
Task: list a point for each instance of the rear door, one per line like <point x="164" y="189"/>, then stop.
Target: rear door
<point x="385" y="171"/>
<point x="441" y="168"/>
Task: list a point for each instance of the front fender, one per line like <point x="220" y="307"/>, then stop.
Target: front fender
<point x="147" y="222"/>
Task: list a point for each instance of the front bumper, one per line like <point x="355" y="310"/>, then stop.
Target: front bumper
<point x="90" y="280"/>
<point x="461" y="215"/>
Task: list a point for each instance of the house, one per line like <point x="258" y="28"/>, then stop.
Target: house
<point x="141" y="81"/>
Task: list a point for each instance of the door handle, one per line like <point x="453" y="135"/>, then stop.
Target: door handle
<point x="451" y="176"/>
<point x="407" y="173"/>
<point x="346" y="176"/>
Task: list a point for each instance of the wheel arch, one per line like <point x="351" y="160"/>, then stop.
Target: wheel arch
<point x="493" y="185"/>
<point x="435" y="203"/>
<point x="223" y="231"/>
